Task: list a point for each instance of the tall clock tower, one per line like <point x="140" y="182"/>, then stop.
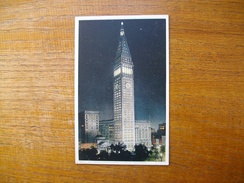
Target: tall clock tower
<point x="124" y="110"/>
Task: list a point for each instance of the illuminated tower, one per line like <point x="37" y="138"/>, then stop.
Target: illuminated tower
<point x="124" y="111"/>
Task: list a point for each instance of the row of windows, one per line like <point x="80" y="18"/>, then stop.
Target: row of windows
<point x="117" y="126"/>
<point x="91" y="117"/>
<point x="127" y="92"/>
<point x="127" y="141"/>
<point x="128" y="126"/>
<point x="90" y="123"/>
<point x="117" y="100"/>
<point x="143" y="136"/>
<point x="129" y="107"/>
<point x="128" y="130"/>
<point x="125" y="102"/>
<point x="95" y="128"/>
<point x="143" y="130"/>
<point x="117" y="107"/>
<point x="117" y="114"/>
<point x="127" y="70"/>
<point x="117" y="103"/>
<point x="127" y="98"/>
<point x="117" y="88"/>
<point x="125" y="51"/>
<point x="117" y="119"/>
<point x="126" y="59"/>
<point x="128" y="112"/>
<point x="116" y="94"/>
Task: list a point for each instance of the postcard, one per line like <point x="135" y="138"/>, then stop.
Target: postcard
<point x="122" y="90"/>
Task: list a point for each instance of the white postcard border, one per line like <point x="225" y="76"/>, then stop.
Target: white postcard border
<point x="76" y="38"/>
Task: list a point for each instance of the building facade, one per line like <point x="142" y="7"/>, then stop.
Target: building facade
<point x="124" y="117"/>
<point x="89" y="126"/>
<point x="162" y="129"/>
<point x="143" y="133"/>
<point x="106" y="129"/>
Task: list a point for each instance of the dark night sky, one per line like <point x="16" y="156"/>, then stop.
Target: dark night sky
<point x="98" y="42"/>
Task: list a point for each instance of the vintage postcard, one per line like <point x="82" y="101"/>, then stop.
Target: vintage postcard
<point x="122" y="90"/>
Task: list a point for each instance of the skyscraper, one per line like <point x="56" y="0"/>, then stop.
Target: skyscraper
<point x="124" y="110"/>
<point x="89" y="125"/>
<point x="143" y="133"/>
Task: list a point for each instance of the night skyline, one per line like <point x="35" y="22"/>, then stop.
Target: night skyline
<point x="98" y="41"/>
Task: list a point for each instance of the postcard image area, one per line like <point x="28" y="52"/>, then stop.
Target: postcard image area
<point x="122" y="90"/>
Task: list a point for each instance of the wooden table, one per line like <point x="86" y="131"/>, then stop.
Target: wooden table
<point x="37" y="91"/>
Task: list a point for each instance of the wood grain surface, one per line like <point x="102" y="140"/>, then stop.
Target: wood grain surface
<point x="37" y="91"/>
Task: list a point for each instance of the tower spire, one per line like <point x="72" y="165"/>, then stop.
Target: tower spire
<point x="122" y="31"/>
<point x="123" y="48"/>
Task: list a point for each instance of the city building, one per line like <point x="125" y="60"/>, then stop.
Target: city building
<point x="89" y="126"/>
<point x="106" y="129"/>
<point x="163" y="140"/>
<point x="143" y="133"/>
<point x="159" y="138"/>
<point x="124" y="117"/>
<point x="161" y="129"/>
<point x="153" y="130"/>
<point x="87" y="146"/>
<point x="102" y="144"/>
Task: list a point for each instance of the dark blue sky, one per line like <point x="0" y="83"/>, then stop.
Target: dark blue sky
<point x="98" y="42"/>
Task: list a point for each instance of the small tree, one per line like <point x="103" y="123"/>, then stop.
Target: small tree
<point x="119" y="153"/>
<point x="88" y="154"/>
<point x="162" y="149"/>
<point x="155" y="155"/>
<point x="103" y="155"/>
<point x="117" y="148"/>
<point x="141" y="153"/>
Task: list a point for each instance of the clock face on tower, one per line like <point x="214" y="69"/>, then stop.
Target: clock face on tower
<point x="128" y="85"/>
